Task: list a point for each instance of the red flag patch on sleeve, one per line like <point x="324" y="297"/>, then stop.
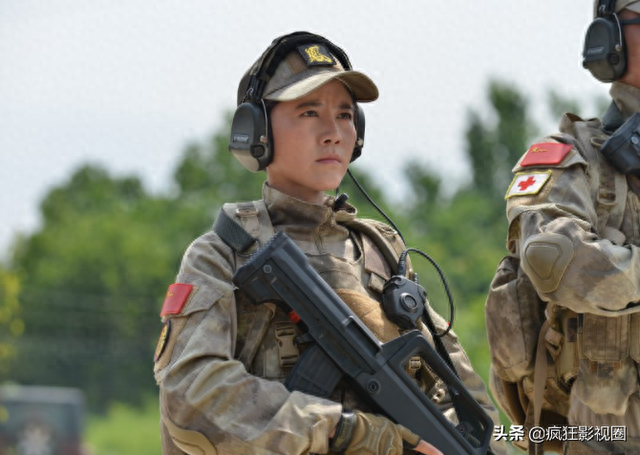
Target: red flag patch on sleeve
<point x="177" y="296"/>
<point x="545" y="153"/>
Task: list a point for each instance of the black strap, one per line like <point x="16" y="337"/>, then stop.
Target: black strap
<point x="437" y="341"/>
<point x="232" y="233"/>
<point x="266" y="67"/>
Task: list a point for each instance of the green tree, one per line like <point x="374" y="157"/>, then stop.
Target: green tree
<point x="92" y="279"/>
<point x="94" y="275"/>
<point x="496" y="140"/>
<point x="11" y="324"/>
<point x="209" y="175"/>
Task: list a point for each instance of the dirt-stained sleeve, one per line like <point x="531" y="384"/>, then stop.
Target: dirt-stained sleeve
<point x="203" y="390"/>
<point x="568" y="262"/>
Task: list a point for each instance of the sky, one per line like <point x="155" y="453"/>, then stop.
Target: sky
<point x="128" y="84"/>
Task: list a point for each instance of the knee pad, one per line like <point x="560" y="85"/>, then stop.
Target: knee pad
<point x="545" y="258"/>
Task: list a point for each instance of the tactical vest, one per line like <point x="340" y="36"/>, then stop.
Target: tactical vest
<point x="266" y="338"/>
<point x="537" y="349"/>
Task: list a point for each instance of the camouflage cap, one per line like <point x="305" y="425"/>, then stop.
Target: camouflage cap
<point x="307" y="68"/>
<point x="311" y="66"/>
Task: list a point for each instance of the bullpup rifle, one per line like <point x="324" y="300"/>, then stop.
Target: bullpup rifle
<point x="343" y="347"/>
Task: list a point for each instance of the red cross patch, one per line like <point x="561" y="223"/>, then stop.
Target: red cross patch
<point x="526" y="183"/>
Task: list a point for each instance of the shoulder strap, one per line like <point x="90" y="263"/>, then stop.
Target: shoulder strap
<point x="232" y="233"/>
<point x="385" y="238"/>
<point x="253" y="225"/>
<point x="608" y="187"/>
<point x="611" y="121"/>
<point x="611" y="197"/>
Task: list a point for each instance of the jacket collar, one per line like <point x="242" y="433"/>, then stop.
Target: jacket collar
<point x="626" y="97"/>
<point x="286" y="210"/>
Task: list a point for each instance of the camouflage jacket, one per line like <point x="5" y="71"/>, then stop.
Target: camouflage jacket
<point x="576" y="258"/>
<point x="212" y="400"/>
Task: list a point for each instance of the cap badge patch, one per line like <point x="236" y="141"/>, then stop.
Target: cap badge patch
<point x="316" y="55"/>
<point x="545" y="153"/>
<point x="177" y="296"/>
<point x="527" y="183"/>
<point x="162" y="341"/>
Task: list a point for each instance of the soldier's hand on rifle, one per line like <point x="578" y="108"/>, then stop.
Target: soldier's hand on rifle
<point x="361" y="433"/>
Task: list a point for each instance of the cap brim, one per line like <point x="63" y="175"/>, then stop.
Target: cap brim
<point x="362" y="87"/>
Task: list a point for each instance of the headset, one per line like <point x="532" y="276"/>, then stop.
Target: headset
<point x="604" y="53"/>
<point x="251" y="142"/>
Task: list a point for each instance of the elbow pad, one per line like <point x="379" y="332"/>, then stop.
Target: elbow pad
<point x="545" y="258"/>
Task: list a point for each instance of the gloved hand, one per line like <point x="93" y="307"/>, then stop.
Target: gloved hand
<point x="362" y="433"/>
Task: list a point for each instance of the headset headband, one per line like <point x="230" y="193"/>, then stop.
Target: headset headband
<point x="606" y="8"/>
<point x="266" y="66"/>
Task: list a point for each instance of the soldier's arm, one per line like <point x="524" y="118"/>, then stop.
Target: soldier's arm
<point x="206" y="396"/>
<point x="568" y="262"/>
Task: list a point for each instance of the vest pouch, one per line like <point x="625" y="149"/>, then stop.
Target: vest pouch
<point x="561" y="368"/>
<point x="634" y="337"/>
<point x="514" y="308"/>
<point x="563" y="346"/>
<point x="516" y="401"/>
<point x="510" y="397"/>
<point x="608" y="375"/>
<point x="515" y="319"/>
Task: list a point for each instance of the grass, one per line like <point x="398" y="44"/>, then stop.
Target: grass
<point x="125" y="430"/>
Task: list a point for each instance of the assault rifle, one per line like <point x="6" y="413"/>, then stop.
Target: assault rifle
<point x="343" y="346"/>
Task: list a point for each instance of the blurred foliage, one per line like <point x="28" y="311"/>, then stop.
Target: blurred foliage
<point x="111" y="434"/>
<point x="94" y="276"/>
<point x="79" y="301"/>
<point x="208" y="176"/>
<point x="11" y="324"/>
<point x="496" y="141"/>
<point x="559" y="104"/>
<point x="90" y="279"/>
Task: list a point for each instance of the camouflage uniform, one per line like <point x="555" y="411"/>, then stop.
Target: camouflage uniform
<point x="210" y="400"/>
<point x="576" y="262"/>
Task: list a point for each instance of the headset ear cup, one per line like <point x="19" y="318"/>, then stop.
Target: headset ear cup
<point x="249" y="139"/>
<point x="359" y="122"/>
<point x="604" y="50"/>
